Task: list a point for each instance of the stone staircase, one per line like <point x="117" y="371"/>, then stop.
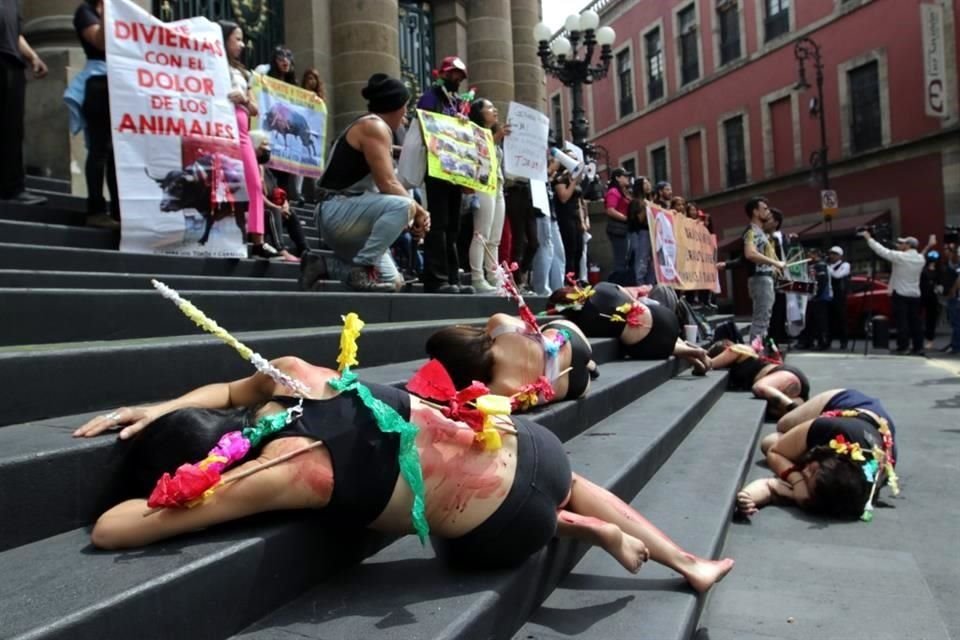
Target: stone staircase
<point x="81" y="334"/>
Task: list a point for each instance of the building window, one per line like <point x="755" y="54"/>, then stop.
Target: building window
<point x="689" y="58"/>
<point x="777" y="18"/>
<point x="728" y="18"/>
<point x="866" y="129"/>
<point x="625" y="82"/>
<point x="658" y="165"/>
<point x="630" y="166"/>
<point x="736" y="154"/>
<point x="556" y="108"/>
<point x="654" y="65"/>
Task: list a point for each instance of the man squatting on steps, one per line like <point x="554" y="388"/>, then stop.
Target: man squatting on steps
<point x="363" y="207"/>
<point x="763" y="264"/>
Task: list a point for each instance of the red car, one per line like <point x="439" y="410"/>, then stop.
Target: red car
<point x="867" y="298"/>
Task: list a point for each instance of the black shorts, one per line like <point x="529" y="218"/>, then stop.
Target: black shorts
<point x="527" y="519"/>
<point x="804" y="382"/>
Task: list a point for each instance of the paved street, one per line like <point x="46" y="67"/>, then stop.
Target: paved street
<point x="895" y="578"/>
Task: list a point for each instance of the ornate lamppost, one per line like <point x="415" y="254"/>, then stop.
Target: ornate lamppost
<point x="570" y="59"/>
<point x="807" y="49"/>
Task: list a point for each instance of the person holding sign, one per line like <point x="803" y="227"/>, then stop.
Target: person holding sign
<point x="441" y="273"/>
<point x="488" y="219"/>
<point x="363" y="206"/>
<point x="246" y="108"/>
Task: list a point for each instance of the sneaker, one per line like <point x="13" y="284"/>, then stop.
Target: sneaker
<point x="467" y="289"/>
<point x="366" y="278"/>
<point x="918" y="352"/>
<point x="102" y="221"/>
<point x="899" y="352"/>
<point x="482" y="286"/>
<point x="25" y="197"/>
<point x="264" y="251"/>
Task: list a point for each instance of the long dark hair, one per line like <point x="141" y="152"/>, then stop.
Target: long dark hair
<point x="179" y="437"/>
<point x="476" y="114"/>
<point x="228" y="27"/>
<point x="840" y="488"/>
<point x="465" y="352"/>
<point x="320" y="90"/>
<point x="290" y="77"/>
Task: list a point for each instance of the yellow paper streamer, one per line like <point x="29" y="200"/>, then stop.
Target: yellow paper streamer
<point x="352" y="325"/>
<point x="491" y="405"/>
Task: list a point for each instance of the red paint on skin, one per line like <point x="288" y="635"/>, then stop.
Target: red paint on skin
<point x="312" y="468"/>
<point x="576" y="519"/>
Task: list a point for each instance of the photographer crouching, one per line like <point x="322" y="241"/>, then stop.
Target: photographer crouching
<point x="906" y="265"/>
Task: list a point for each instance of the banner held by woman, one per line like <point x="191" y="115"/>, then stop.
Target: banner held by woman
<point x="296" y="120"/>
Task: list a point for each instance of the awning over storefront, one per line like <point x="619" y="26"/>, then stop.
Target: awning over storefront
<point x="843" y="226"/>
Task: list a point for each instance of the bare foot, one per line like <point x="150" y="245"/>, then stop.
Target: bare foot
<point x="706" y="573"/>
<point x="629" y="551"/>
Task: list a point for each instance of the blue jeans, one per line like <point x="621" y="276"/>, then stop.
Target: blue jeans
<point x="361" y="229"/>
<point x="549" y="261"/>
<point x="953" y="313"/>
<point x="639" y="250"/>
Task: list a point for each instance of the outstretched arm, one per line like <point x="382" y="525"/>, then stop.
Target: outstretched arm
<point x="246" y="392"/>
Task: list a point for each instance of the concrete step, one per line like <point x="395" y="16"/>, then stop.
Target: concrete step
<point x="217" y="581"/>
<point x="44" y="258"/>
<point x="41" y="453"/>
<point x="58" y="235"/>
<point x="690" y="499"/>
<point x="401" y="592"/>
<point x="24" y="279"/>
<point x="45" y="214"/>
<point x="63" y="379"/>
<point x="37" y="316"/>
<point x="48" y="184"/>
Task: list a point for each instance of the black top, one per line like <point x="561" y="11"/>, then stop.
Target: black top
<point x="568" y="209"/>
<point x="822" y="431"/>
<point x="346" y="167"/>
<point x="85" y="17"/>
<point x="637" y="216"/>
<point x="744" y="372"/>
<point x="365" y="466"/>
<point x="11" y="23"/>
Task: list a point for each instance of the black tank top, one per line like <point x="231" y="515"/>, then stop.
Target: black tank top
<point x="347" y="166"/>
<point x="365" y="466"/>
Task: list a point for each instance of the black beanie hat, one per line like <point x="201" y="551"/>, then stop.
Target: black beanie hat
<point x="384" y="94"/>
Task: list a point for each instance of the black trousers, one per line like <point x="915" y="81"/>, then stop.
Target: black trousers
<point x="838" y="319"/>
<point x="523" y="226"/>
<point x="572" y="242"/>
<point x="441" y="259"/>
<point x="906" y="313"/>
<point x="817" y="323"/>
<point x="931" y="313"/>
<point x="13" y="86"/>
<point x="778" y="319"/>
<point x="275" y="225"/>
<point x="100" y="161"/>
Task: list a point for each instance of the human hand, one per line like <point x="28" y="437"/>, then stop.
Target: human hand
<point x="421" y="222"/>
<point x="237" y="97"/>
<point x="285" y="209"/>
<point x="39" y="67"/>
<point x="864" y="234"/>
<point x="932" y="241"/>
<point x="133" y="420"/>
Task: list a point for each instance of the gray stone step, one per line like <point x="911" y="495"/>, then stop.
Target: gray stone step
<point x="24" y="279"/>
<point x="43" y="258"/>
<point x="218" y="581"/>
<point x="401" y="592"/>
<point x="690" y="499"/>
<point x="63" y="379"/>
<point x="37" y="316"/>
<point x="58" y="235"/>
<point x="48" y="184"/>
<point x="42" y="454"/>
<point x="44" y="214"/>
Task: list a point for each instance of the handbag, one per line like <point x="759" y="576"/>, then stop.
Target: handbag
<point x="412" y="165"/>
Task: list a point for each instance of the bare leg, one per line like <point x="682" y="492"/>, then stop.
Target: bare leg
<point x="589" y="499"/>
<point x="628" y="551"/>
<point x="768" y="441"/>
<point x="778" y="389"/>
<point x="807" y="411"/>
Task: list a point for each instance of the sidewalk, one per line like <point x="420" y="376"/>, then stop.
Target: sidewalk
<point x="895" y="578"/>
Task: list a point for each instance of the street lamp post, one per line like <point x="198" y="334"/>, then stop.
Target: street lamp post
<point x="808" y="49"/>
<point x="569" y="58"/>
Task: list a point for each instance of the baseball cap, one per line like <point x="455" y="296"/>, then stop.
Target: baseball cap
<point x="453" y="63"/>
<point x="836" y="250"/>
<point x="909" y="240"/>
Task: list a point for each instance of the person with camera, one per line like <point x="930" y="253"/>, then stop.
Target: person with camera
<point x="906" y="265"/>
<point x="763" y="264"/>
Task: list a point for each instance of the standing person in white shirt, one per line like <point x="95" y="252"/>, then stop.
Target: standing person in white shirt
<point x="906" y="265"/>
<point x="839" y="270"/>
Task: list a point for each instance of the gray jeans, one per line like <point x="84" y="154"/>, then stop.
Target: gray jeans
<point x="360" y="230"/>
<point x="763" y="295"/>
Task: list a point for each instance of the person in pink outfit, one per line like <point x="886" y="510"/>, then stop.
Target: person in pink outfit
<point x="246" y="108"/>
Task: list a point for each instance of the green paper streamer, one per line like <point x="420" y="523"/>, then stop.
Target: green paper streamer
<point x="265" y="427"/>
<point x="390" y="421"/>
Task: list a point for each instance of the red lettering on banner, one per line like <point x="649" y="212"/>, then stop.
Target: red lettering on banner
<point x="173" y="126"/>
<point x="164" y="36"/>
<point x="181" y="84"/>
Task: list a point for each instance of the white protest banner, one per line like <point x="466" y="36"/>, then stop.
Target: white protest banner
<point x="525" y="149"/>
<point x="175" y="136"/>
<point x="539" y="197"/>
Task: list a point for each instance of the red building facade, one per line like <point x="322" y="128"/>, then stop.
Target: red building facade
<point x="703" y="93"/>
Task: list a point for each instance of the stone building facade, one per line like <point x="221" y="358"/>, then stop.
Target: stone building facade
<point x="347" y="41"/>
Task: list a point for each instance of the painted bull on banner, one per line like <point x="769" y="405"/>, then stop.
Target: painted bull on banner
<point x="283" y="121"/>
<point x="193" y="188"/>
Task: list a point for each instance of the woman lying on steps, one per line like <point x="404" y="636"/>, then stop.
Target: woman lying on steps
<point x="485" y="508"/>
<point x="646" y="329"/>
<point x="830" y="455"/>
<point x="783" y="387"/>
<point x="509" y="354"/>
